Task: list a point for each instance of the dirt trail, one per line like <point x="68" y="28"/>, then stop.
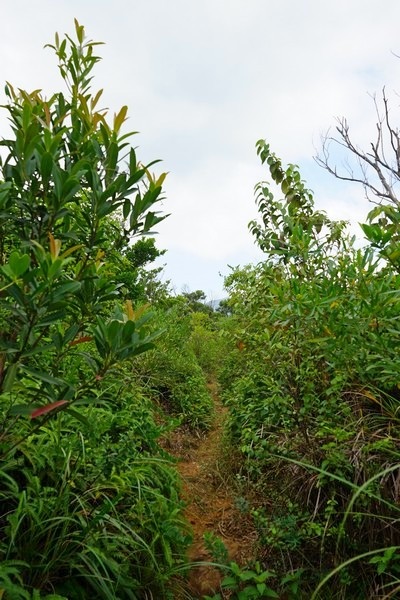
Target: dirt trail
<point x="210" y="501"/>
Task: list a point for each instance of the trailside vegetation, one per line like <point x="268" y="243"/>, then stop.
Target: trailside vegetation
<point x="90" y="502"/>
<point x="99" y="363"/>
<point x="312" y="384"/>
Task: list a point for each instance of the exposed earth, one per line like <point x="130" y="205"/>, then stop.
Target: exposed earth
<point x="212" y="503"/>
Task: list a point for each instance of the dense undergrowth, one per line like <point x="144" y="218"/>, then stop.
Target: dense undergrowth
<point x="90" y="502"/>
<point x="313" y="391"/>
<point x="175" y="372"/>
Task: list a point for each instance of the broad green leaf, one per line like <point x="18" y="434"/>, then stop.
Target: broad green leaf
<point x="10" y="377"/>
<point x="19" y="263"/>
<point x="78" y="416"/>
<point x="20" y="410"/>
<point x="112" y="158"/>
<point x="46" y="166"/>
<point x="42" y="376"/>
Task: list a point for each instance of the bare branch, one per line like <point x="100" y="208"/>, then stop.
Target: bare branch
<point x="373" y="166"/>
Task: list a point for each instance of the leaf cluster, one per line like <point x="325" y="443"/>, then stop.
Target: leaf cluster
<point x="311" y="381"/>
<point x="89" y="502"/>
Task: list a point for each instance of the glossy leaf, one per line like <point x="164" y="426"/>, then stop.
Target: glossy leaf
<point x="44" y="410"/>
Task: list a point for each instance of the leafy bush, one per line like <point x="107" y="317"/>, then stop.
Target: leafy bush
<point x="206" y="343"/>
<point x="89" y="502"/>
<point x="312" y="386"/>
<point x="172" y="373"/>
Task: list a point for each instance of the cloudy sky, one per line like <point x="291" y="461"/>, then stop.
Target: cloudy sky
<point x="204" y="80"/>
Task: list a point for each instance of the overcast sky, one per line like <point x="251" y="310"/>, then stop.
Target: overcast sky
<point x="204" y="80"/>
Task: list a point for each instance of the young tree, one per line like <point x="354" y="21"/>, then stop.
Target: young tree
<point x="71" y="191"/>
<point x="87" y="508"/>
<point x="291" y="231"/>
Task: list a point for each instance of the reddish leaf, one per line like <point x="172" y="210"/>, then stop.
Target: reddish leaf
<point x="81" y="340"/>
<point x="43" y="410"/>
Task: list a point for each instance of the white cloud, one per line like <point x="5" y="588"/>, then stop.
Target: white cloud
<point x="205" y="80"/>
<point x="217" y="201"/>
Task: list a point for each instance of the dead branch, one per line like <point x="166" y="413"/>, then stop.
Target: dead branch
<point x="377" y="173"/>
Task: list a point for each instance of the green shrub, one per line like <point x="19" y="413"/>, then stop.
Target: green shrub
<point x="172" y="374"/>
<point x="89" y="502"/>
<point x="311" y="382"/>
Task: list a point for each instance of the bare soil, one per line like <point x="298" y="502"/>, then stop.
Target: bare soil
<point x="210" y="497"/>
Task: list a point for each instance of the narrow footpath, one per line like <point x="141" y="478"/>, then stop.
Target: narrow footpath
<point x="212" y="505"/>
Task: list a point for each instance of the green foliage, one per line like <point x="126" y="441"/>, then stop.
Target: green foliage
<point x="382" y="232"/>
<point x="291" y="230"/>
<point x="248" y="583"/>
<point x="104" y="516"/>
<point x="242" y="582"/>
<point x="206" y="343"/>
<point x="197" y="302"/>
<point x="63" y="180"/>
<point x="172" y="373"/>
<point x="139" y="283"/>
<point x="89" y="502"/>
<point x="311" y="381"/>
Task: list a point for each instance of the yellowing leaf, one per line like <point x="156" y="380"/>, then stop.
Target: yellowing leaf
<point x="371" y="396"/>
<point x="47" y="113"/>
<point x="55" y="246"/>
<point x="130" y="313"/>
<point x="71" y="250"/>
<point x="99" y="256"/>
<point x="161" y="179"/>
<point x="95" y="100"/>
<point x="120" y="118"/>
<point x="140" y="311"/>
